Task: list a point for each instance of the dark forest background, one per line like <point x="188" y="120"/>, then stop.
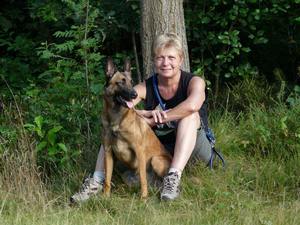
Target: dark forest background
<point x="53" y="55"/>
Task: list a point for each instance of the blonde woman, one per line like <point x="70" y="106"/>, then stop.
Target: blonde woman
<point x="175" y="108"/>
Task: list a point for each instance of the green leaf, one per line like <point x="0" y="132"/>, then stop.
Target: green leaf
<point x="207" y="61"/>
<point x="251" y="36"/>
<point x="134" y="6"/>
<point x="46" y="54"/>
<point x="282" y="123"/>
<point x="63" y="147"/>
<point x="252" y="27"/>
<point x="29" y="126"/>
<point x="297" y="89"/>
<point x="56" y="129"/>
<point x="52" y="151"/>
<point x="227" y="75"/>
<point x="297" y="19"/>
<point x="96" y="88"/>
<point x="205" y="20"/>
<point x="41" y="146"/>
<point x="51" y="135"/>
<point x="246" y="49"/>
<point x="39" y="121"/>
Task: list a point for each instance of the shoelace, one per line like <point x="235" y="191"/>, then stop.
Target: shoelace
<point x="170" y="183"/>
<point x="85" y="185"/>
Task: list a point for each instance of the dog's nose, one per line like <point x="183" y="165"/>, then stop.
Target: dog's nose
<point x="133" y="94"/>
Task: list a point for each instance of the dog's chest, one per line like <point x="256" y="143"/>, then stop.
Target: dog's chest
<point x="115" y="132"/>
<point x="121" y="146"/>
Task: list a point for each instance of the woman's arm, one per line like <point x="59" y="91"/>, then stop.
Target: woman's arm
<point x="194" y="101"/>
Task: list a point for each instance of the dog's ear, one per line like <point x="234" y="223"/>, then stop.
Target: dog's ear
<point x="127" y="67"/>
<point x="110" y="67"/>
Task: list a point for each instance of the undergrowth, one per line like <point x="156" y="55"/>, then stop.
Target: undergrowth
<point x="260" y="185"/>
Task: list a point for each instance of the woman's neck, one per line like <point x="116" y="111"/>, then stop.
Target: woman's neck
<point x="169" y="81"/>
<point x="168" y="86"/>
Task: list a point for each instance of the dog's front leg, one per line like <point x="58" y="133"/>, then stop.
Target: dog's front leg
<point x="108" y="171"/>
<point x="142" y="172"/>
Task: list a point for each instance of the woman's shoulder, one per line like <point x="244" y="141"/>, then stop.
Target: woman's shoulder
<point x="188" y="76"/>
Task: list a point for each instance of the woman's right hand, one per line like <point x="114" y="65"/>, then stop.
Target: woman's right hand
<point x="153" y="117"/>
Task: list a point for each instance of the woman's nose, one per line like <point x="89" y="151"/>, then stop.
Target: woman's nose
<point x="165" y="61"/>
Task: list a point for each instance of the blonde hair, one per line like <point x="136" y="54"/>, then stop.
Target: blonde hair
<point x="167" y="40"/>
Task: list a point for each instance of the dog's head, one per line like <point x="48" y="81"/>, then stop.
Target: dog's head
<point x="119" y="84"/>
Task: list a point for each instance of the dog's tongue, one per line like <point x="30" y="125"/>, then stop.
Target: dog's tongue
<point x="129" y="104"/>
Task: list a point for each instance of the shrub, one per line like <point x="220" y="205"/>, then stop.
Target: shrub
<point x="273" y="131"/>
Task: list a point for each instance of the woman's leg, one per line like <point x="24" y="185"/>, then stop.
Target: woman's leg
<point x="185" y="142"/>
<point x="100" y="160"/>
<point x="92" y="185"/>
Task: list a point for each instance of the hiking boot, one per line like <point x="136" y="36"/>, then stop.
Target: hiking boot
<point x="89" y="188"/>
<point x="170" y="187"/>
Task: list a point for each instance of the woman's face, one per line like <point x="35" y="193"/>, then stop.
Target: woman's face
<point x="168" y="62"/>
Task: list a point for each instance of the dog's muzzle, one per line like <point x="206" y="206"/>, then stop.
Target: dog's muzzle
<point x="125" y="98"/>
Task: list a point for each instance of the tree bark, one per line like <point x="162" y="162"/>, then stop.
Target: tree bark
<point x="161" y="16"/>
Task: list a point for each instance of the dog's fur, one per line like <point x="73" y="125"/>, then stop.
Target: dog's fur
<point x="127" y="137"/>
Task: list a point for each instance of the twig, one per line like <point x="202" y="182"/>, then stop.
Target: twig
<point x="15" y="101"/>
<point x="136" y="58"/>
<point x="87" y="71"/>
<point x="19" y="111"/>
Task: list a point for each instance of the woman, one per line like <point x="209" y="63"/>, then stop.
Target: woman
<point x="180" y="126"/>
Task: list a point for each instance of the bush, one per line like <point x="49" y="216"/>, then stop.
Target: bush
<point x="247" y="94"/>
<point x="273" y="132"/>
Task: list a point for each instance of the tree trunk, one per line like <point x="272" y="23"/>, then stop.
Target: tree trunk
<point x="161" y="16"/>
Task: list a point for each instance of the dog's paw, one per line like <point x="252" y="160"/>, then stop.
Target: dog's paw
<point x="106" y="193"/>
<point x="144" y="196"/>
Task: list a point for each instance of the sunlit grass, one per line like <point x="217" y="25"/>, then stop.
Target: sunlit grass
<point x="235" y="196"/>
<point x="255" y="188"/>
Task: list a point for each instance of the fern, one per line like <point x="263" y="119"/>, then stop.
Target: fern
<point x="64" y="34"/>
<point x="67" y="46"/>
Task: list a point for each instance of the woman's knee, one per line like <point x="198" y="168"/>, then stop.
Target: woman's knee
<point x="192" y="118"/>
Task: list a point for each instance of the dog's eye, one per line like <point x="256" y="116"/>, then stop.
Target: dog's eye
<point x="121" y="82"/>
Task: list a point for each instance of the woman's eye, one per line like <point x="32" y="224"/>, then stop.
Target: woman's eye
<point x="159" y="58"/>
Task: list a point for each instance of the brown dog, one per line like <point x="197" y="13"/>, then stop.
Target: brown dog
<point x="127" y="136"/>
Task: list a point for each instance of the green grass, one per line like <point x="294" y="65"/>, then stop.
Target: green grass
<point x="261" y="184"/>
<point x="243" y="194"/>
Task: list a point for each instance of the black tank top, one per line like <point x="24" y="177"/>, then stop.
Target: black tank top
<point x="151" y="100"/>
